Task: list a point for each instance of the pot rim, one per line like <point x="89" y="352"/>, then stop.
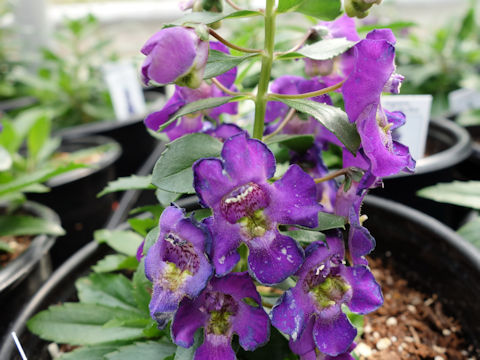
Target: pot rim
<point x="17" y="269"/>
<point x="111" y="156"/>
<point x="461" y="149"/>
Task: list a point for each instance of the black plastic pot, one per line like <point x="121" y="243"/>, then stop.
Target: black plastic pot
<point x="132" y="135"/>
<point x="22" y="277"/>
<point x="73" y="196"/>
<point x="432" y="256"/>
<point x="469" y="169"/>
<point x="448" y="144"/>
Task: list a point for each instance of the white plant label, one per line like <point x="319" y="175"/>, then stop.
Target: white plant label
<point x="417" y="110"/>
<point x="463" y="99"/>
<point x="125" y="90"/>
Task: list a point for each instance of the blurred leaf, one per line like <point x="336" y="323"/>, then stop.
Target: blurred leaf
<point x="128" y="183"/>
<point x="115" y="262"/>
<point x="153" y="350"/>
<point x="321" y="9"/>
<point x="304" y="237"/>
<point x="321" y="50"/>
<point x="206" y="17"/>
<point x="142" y="289"/>
<point x="89" y="352"/>
<point x="123" y="241"/>
<point x="298" y="143"/>
<point x="470" y="231"/>
<point x="28" y="225"/>
<point x="5" y="159"/>
<point x="5" y="247"/>
<point x="462" y="193"/>
<point x="468" y="25"/>
<point x="38" y="136"/>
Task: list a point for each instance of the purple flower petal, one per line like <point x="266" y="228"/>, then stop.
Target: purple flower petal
<point x="186" y="321"/>
<point x="367" y="295"/>
<point x="291" y="313"/>
<point x="382" y="34"/>
<point x="209" y="181"/>
<point x="154" y="120"/>
<point x="334" y="336"/>
<point x="228" y="78"/>
<point x="215" y="347"/>
<point x="224" y="131"/>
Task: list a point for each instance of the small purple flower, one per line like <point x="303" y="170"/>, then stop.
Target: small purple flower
<point x="311" y="312"/>
<point x="374" y="72"/>
<point x="336" y="69"/>
<point x="224" y="131"/>
<point x="247" y="208"/>
<point x="177" y="263"/>
<point x="175" y="54"/>
<point x="183" y="95"/>
<point x="228" y="305"/>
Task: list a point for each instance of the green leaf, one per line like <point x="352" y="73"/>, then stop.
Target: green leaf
<point x="89" y="352"/>
<point x="28" y="225"/>
<point x="321" y="50"/>
<point x="286" y="5"/>
<point x="321" y="9"/>
<point x="123" y="241"/>
<point x="470" y="231"/>
<point x="5" y="159"/>
<point x="326" y="221"/>
<point x="304" y="236"/>
<point x="142" y="226"/>
<point x="142" y="288"/>
<point x="206" y="17"/>
<point x="155" y="210"/>
<point x="201" y="214"/>
<point x="468" y="25"/>
<point x="187" y="354"/>
<point x="113" y="290"/>
<point x="152" y="350"/>
<point x="166" y="197"/>
<point x="199" y="105"/>
<point x="133" y="182"/>
<point x="298" y="143"/>
<point x="5" y="247"/>
<point x="462" y="193"/>
<point x="82" y="324"/>
<point x="219" y="63"/>
<point x="115" y="262"/>
<point x="331" y="117"/>
<point x="38" y="135"/>
<point x="173" y="171"/>
<point x="151" y="239"/>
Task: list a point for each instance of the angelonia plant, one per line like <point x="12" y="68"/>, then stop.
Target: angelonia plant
<point x="278" y="245"/>
<point x="264" y="227"/>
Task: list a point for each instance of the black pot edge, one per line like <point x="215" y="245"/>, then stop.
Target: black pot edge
<point x="111" y="157"/>
<point x="470" y="252"/>
<point x="444" y="159"/>
<point x="41" y="244"/>
<point x="94" y="128"/>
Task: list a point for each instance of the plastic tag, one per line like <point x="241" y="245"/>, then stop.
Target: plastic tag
<point x="463" y="99"/>
<point x="417" y="111"/>
<point x="125" y="90"/>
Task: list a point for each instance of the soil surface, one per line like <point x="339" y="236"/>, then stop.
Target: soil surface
<point x="17" y="243"/>
<point x="410" y="324"/>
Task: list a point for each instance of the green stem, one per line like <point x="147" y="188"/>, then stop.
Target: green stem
<point x="267" y="61"/>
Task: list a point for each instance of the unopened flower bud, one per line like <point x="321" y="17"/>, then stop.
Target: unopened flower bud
<point x="176" y="54"/>
<point x="359" y="8"/>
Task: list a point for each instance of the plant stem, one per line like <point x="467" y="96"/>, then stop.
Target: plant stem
<point x="267" y="61"/>
<point x="332" y="175"/>
<point x="233" y="5"/>
<point x="307" y="95"/>
<point x="228" y="91"/>
<point x="230" y="45"/>
<point x="285" y="121"/>
<point x="298" y="46"/>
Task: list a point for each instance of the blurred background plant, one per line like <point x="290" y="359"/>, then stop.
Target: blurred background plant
<point x="442" y="61"/>
<point x="68" y="82"/>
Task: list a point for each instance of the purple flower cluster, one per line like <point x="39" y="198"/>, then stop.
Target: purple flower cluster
<point x="200" y="277"/>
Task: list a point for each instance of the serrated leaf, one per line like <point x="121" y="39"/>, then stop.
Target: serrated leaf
<point x="133" y="182"/>
<point x="28" y="225"/>
<point x="141" y="288"/>
<point x="152" y="350"/>
<point x="321" y="9"/>
<point x="82" y="324"/>
<point x="334" y="119"/>
<point x="304" y="236"/>
<point x="115" y="262"/>
<point x="89" y="352"/>
<point x="298" y="143"/>
<point x="462" y="193"/>
<point x="123" y="241"/>
<point x="187" y="354"/>
<point x="200" y="105"/>
<point x="113" y="290"/>
<point x="321" y="50"/>
<point x="470" y="231"/>
<point x="173" y="171"/>
<point x="218" y="63"/>
<point x="206" y="17"/>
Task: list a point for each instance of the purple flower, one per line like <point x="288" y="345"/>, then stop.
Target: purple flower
<point x="311" y="312"/>
<point x="177" y="263"/>
<point x="224" y="131"/>
<point x="374" y="72"/>
<point x="228" y="305"/>
<point x="336" y="69"/>
<point x="183" y="95"/>
<point x="175" y="54"/>
<point x="247" y="208"/>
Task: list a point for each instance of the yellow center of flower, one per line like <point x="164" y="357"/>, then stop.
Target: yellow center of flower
<point x="174" y="277"/>
<point x="254" y="225"/>
<point x="329" y="291"/>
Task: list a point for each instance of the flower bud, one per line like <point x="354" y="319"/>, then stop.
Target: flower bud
<point x="176" y="54"/>
<point x="359" y="8"/>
